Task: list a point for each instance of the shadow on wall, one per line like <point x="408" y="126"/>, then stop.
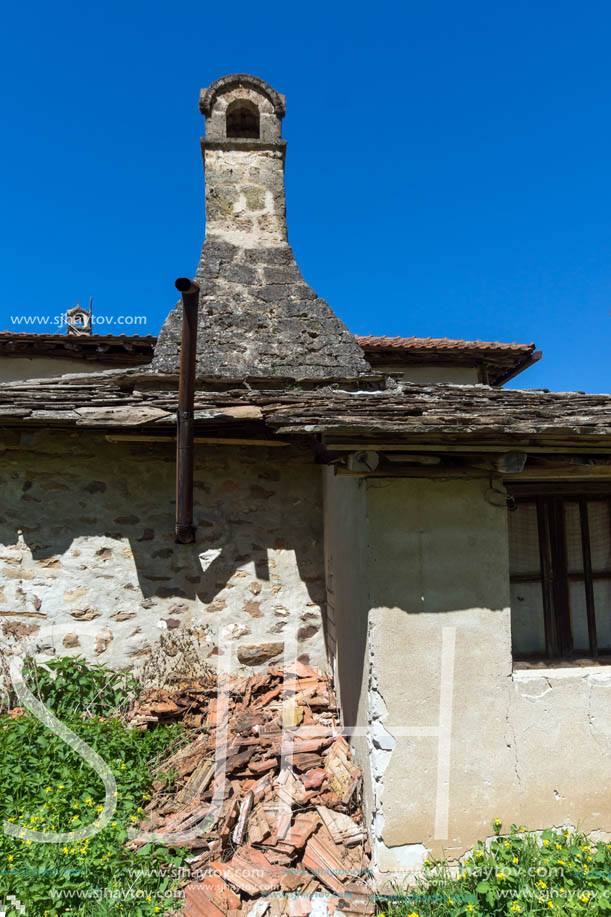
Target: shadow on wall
<point x="437" y="545"/>
<point x="102" y="514"/>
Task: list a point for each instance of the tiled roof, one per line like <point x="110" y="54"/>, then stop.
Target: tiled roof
<point x="496" y="361"/>
<point x="500" y="361"/>
<point x="118" y="349"/>
<point x="371" y="342"/>
<point x="117" y="400"/>
<point x="76" y="338"/>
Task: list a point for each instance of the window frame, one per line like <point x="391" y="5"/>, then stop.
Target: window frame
<point x="554" y="576"/>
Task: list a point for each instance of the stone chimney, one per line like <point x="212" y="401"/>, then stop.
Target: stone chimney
<point x="258" y="319"/>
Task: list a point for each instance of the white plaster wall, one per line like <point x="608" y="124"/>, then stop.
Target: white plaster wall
<point x="346" y="563"/>
<point x="87" y="535"/>
<point x="14" y="369"/>
<point x="457" y="375"/>
<point x="531" y="748"/>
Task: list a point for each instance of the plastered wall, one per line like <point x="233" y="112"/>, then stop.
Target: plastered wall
<point x="14" y="369"/>
<point x="87" y="536"/>
<point x="531" y="748"/>
<point x="457" y="375"/>
<point x="347" y="571"/>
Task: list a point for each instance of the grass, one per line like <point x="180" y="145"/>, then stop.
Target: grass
<point x="520" y="874"/>
<point x="45" y="785"/>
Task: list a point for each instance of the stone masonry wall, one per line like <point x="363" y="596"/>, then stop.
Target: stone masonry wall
<point x="87" y="535"/>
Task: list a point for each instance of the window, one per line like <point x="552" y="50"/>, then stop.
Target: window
<point x="243" y="120"/>
<point x="560" y="575"/>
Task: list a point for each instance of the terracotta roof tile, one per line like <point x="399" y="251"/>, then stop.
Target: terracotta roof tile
<point x="371" y="342"/>
<point x="72" y="339"/>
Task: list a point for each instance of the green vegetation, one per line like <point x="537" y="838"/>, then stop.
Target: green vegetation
<point x="517" y="875"/>
<point x="46" y="786"/>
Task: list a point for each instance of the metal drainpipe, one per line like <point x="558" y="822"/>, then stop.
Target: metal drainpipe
<point x="185" y="530"/>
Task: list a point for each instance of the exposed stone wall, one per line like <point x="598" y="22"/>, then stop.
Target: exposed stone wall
<point x="87" y="535"/>
<point x="258" y="318"/>
<point x="245" y="201"/>
<point x="215" y="100"/>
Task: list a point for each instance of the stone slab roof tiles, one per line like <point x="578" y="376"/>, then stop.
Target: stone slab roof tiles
<point x="113" y="399"/>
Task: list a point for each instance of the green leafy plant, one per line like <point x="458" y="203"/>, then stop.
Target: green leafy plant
<point x="520" y="874"/>
<point x="70" y="685"/>
<point x="46" y="786"/>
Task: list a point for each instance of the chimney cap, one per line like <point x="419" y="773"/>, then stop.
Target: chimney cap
<point x="225" y="83"/>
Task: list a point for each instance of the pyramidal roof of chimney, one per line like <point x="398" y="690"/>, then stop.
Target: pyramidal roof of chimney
<point x="258" y="318"/>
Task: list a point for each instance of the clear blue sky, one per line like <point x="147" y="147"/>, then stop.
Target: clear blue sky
<point x="448" y="169"/>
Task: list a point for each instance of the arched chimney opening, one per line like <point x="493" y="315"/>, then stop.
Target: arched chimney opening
<point x="243" y="120"/>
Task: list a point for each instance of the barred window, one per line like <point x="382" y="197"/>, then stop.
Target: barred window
<point x="560" y="576"/>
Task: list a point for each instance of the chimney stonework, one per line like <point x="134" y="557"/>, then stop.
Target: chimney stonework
<point x="258" y="319"/>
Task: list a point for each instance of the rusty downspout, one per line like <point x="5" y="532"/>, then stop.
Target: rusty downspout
<point x="185" y="530"/>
